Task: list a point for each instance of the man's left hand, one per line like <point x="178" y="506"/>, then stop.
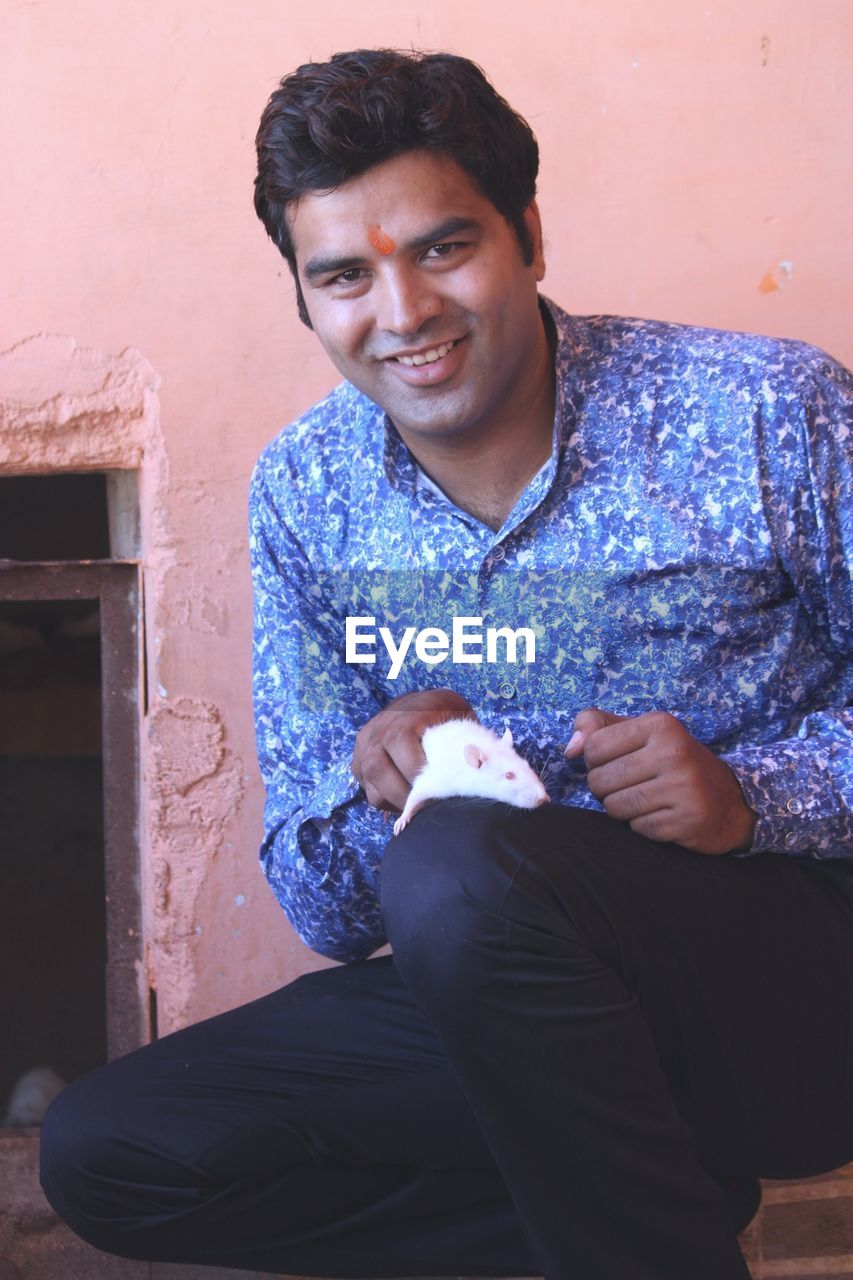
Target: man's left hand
<point x="650" y="772"/>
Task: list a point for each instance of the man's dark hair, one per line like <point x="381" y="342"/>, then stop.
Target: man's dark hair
<point x="330" y="121"/>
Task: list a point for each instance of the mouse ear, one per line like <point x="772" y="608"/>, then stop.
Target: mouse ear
<point x="507" y="738"/>
<point x="474" y="755"/>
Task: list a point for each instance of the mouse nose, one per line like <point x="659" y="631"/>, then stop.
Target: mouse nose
<point x="535" y="795"/>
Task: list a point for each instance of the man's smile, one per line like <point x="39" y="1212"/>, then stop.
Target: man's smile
<point x="428" y="365"/>
<point x="422" y="356"/>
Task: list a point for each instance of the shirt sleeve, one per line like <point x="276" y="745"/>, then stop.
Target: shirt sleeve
<point x="801" y="787"/>
<point x="322" y="845"/>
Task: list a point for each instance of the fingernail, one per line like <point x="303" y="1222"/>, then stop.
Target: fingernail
<point x="574" y="741"/>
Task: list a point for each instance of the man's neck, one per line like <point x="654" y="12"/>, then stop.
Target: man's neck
<point x="488" y="486"/>
<point x="485" y="473"/>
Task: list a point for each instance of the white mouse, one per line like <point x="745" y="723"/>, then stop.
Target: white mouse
<point x="464" y="758"/>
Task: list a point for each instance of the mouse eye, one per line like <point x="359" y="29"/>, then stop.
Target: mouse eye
<point x="509" y="774"/>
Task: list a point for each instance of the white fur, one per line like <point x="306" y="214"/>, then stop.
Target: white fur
<point x="464" y="758"/>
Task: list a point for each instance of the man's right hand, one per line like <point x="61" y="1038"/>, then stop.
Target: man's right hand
<point x="388" y="752"/>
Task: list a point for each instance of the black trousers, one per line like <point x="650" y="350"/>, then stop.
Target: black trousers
<point x="577" y="1030"/>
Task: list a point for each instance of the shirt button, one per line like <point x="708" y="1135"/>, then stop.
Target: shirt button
<point x="507" y="690"/>
<point x="497" y="553"/>
<point x="790" y="839"/>
<point x="794" y="806"/>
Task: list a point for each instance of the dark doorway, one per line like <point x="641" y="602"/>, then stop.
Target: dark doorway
<point x="52" y="910"/>
<point x="70" y="931"/>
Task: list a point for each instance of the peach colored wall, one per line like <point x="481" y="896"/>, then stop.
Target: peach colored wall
<point x="695" y="166"/>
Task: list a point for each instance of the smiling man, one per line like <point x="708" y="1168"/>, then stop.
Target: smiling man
<point x="440" y="325"/>
<point x="603" y="1019"/>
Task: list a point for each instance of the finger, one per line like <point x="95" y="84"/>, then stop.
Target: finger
<point x="640" y="801"/>
<point x="385" y="787"/>
<point x="574" y="746"/>
<point x="585" y="723"/>
<point x="637" y="768"/>
<point x="616" y="740"/>
<point x="378" y="798"/>
<point x="663" y="826"/>
<point x="405" y="751"/>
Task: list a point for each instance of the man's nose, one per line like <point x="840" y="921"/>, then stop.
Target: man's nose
<point x="406" y="300"/>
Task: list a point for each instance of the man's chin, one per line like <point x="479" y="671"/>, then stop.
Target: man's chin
<point x="447" y="422"/>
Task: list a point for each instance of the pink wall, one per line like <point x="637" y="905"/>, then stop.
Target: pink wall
<point x="689" y="150"/>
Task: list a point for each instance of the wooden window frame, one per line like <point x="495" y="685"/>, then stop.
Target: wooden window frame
<point x="116" y="587"/>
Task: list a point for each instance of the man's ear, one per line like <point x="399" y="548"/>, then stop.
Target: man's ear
<point x="533" y="222"/>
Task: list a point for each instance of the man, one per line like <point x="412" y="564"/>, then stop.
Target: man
<point x="602" y="1015"/>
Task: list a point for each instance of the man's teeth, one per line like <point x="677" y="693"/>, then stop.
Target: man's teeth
<point x="437" y="353"/>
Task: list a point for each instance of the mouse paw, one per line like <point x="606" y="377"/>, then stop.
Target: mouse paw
<point x="402" y="821"/>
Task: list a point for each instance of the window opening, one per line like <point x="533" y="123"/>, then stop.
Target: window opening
<point x="70" y="926"/>
<point x="54" y="517"/>
<point x="52" y="909"/>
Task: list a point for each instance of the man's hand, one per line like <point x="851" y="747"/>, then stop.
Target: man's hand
<point x="650" y="772"/>
<point x="388" y="751"/>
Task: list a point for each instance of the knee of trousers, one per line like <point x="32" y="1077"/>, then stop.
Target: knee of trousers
<point x="74" y="1154"/>
<point x="444" y="886"/>
<point x="85" y="1168"/>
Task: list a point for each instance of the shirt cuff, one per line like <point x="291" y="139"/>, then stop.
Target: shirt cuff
<point x="793" y="804"/>
<point x="333" y="791"/>
<point x="335" y="788"/>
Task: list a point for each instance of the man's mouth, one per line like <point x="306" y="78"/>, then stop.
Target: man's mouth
<point x="427" y="357"/>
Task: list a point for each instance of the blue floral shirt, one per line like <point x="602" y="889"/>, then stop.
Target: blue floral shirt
<point x="685" y="548"/>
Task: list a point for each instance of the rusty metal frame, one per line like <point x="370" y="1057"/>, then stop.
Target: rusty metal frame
<point x="116" y="586"/>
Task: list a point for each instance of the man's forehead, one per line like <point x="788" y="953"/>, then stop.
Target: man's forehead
<point x="414" y="192"/>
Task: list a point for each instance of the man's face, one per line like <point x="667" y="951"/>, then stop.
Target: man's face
<point x="417" y="289"/>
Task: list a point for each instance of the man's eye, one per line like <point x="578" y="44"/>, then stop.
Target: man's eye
<point x="352" y="276"/>
<point x="441" y="250"/>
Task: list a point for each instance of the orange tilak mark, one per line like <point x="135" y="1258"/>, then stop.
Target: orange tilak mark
<point x="382" y="244"/>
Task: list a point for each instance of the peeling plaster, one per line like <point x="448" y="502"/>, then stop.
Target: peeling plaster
<point x="197" y="599"/>
<point x="64" y="406"/>
<point x="777" y="278"/>
<point x="69" y="408"/>
<point x="199" y="609"/>
<point x="187" y="744"/>
<point x="195" y="786"/>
